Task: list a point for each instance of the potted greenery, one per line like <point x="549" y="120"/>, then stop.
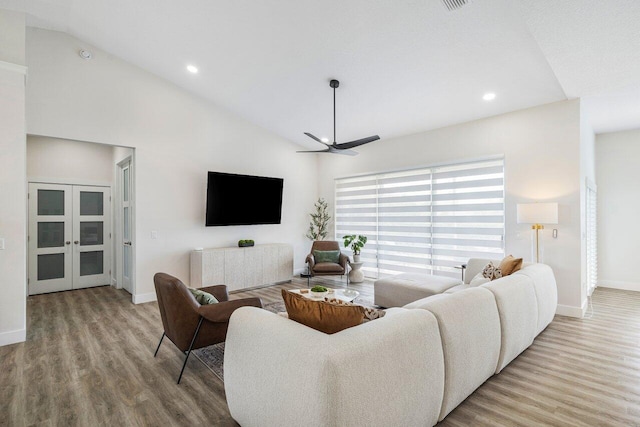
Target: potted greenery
<point x="356" y="243"/>
<point x="245" y="243"/>
<point x="319" y="292"/>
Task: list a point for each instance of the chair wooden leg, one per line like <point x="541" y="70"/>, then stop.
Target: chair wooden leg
<point x="158" y="348"/>
<point x="193" y="340"/>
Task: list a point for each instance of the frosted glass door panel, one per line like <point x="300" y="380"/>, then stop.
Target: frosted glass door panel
<point x="91" y="203"/>
<point x="126" y="229"/>
<point x="51" y="266"/>
<point x="50" y="234"/>
<point x="50" y="202"/>
<point x="91" y="233"/>
<point x="91" y="263"/>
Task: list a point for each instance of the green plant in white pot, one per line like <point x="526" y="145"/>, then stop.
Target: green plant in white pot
<point x="356" y="243"/>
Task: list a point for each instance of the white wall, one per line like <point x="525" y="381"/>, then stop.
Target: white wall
<point x="177" y="138"/>
<point x="542" y="163"/>
<point x="66" y="161"/>
<point x="13" y="170"/>
<point x="618" y="172"/>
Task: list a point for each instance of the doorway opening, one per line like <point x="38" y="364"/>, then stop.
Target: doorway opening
<point x="75" y="222"/>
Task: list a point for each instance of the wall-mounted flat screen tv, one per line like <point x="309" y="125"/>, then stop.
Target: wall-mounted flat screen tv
<point x="243" y="199"/>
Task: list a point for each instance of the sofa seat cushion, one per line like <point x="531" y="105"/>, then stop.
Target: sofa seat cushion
<point x="328" y="267"/>
<point x="397" y="291"/>
<point x="470" y="329"/>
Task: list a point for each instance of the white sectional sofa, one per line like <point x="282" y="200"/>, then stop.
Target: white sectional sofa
<point x="410" y="368"/>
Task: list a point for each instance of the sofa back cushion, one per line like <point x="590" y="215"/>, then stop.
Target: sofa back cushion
<point x="544" y="284"/>
<point x="518" y="310"/>
<point x="470" y="330"/>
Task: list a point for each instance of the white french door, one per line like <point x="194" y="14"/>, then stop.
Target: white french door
<point x="126" y="194"/>
<point x="69" y="237"/>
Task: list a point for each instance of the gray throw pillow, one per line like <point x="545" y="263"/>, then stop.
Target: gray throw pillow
<point x="204" y="298"/>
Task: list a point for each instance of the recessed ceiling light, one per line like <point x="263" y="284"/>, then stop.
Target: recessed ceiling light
<point x="192" y="69"/>
<point x="85" y="54"/>
<point x="325" y="140"/>
<point x="489" y="96"/>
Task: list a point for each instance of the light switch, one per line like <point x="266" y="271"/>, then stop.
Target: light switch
<point x="2" y="244"/>
<point x="555" y="233"/>
<point x="154" y="234"/>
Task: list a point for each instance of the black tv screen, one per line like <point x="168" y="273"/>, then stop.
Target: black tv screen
<point x="243" y="199"/>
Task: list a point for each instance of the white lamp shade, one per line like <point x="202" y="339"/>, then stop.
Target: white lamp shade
<point x="537" y="213"/>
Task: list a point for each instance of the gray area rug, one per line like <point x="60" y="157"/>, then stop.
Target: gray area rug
<point x="213" y="356"/>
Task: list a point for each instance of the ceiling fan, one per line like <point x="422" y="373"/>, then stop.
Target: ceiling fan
<point x="335" y="148"/>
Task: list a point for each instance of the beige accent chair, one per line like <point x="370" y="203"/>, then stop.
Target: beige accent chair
<point x="327" y="268"/>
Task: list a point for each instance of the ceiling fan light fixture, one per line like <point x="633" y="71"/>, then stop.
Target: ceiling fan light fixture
<point x="335" y="148"/>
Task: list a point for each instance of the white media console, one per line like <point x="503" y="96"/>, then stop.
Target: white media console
<point x="241" y="268"/>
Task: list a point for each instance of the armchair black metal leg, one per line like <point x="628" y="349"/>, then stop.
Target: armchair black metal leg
<point x="193" y="340"/>
<point x="158" y="348"/>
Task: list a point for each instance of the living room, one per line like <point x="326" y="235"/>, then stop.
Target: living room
<point x="565" y="96"/>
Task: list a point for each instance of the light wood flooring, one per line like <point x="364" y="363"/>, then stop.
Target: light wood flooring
<point x="88" y="361"/>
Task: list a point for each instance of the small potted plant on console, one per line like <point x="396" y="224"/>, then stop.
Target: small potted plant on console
<point x="245" y="243"/>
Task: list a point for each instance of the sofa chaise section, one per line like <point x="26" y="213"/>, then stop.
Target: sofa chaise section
<point x="386" y="372"/>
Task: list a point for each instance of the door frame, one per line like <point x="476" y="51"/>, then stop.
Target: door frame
<point x="118" y="215"/>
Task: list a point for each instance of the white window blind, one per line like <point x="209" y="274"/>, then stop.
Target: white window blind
<point x="425" y="220"/>
<point x="592" y="239"/>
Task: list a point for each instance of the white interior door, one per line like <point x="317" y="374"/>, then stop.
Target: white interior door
<point x="49" y="238"/>
<point x="92" y="236"/>
<point x="125" y="267"/>
<point x="69" y="237"/>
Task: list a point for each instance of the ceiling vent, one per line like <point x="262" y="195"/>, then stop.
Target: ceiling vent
<point x="452" y="5"/>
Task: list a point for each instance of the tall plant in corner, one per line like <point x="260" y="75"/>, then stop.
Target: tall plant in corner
<point x="318" y="228"/>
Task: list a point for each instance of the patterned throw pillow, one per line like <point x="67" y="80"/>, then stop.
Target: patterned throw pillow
<point x="491" y="272"/>
<point x="326" y="256"/>
<point x="369" y="313"/>
<point x="204" y="298"/>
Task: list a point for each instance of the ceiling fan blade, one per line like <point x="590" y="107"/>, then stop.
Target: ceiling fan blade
<point x="343" y="152"/>
<point x="312" y="136"/>
<point x="314" y="151"/>
<point x="356" y="143"/>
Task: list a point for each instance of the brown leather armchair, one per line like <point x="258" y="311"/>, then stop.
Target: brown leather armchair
<point x="188" y="324"/>
<point x="327" y="268"/>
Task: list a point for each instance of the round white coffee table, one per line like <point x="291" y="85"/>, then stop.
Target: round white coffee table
<point x="356" y="275"/>
<point x="347" y="295"/>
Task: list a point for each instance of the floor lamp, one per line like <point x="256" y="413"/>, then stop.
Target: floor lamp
<point x="537" y="214"/>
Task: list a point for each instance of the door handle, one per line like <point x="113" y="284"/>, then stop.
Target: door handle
<point x="127" y="243"/>
<point x="67" y="242"/>
<point x="75" y="242"/>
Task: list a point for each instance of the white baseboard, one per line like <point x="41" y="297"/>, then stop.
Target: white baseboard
<point x="13" y="337"/>
<point x="572" y="311"/>
<point x="142" y="298"/>
<point x="617" y="284"/>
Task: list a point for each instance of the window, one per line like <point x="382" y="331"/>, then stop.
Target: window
<point x="427" y="220"/>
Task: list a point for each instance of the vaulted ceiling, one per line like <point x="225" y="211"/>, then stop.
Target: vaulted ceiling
<point x="405" y="66"/>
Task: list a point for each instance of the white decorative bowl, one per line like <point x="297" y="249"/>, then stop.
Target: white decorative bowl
<point x="318" y="295"/>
